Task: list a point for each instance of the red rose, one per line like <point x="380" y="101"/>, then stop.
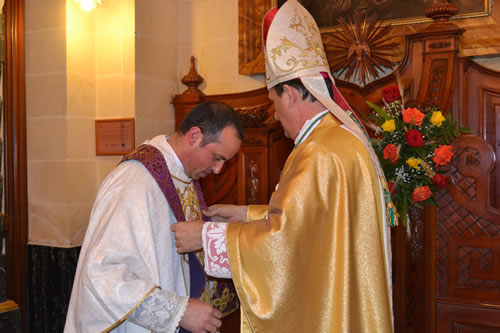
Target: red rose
<point x="421" y="193"/>
<point x="391" y="94"/>
<point x="414" y="138"/>
<point x="391" y="152"/>
<point x="440" y="181"/>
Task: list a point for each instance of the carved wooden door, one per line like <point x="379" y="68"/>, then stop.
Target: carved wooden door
<point x="465" y="247"/>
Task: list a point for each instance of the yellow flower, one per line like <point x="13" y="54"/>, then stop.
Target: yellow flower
<point x="437" y="118"/>
<point x="389" y="125"/>
<point x="414" y="162"/>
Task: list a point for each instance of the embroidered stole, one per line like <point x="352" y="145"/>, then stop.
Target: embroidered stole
<point x="222" y="295"/>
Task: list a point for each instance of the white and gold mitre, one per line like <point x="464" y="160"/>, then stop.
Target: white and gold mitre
<point x="292" y="44"/>
<point x="293" y="49"/>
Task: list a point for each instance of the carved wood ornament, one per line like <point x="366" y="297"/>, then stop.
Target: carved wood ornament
<point x="360" y="50"/>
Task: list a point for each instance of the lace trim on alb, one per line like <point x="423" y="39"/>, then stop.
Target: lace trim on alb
<point x="161" y="311"/>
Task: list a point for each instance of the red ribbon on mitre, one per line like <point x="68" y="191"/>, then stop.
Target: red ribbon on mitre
<point x="268" y="19"/>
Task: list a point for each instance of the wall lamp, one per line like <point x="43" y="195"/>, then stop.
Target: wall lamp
<point x="88" y="4"/>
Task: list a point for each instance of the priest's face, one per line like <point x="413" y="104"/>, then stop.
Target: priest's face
<point x="210" y="158"/>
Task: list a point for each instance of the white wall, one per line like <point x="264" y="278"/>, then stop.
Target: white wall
<point x="208" y="30"/>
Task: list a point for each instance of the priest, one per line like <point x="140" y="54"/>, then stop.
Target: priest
<point x="129" y="276"/>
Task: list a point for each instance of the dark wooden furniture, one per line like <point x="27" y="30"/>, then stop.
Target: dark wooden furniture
<point x="464" y="252"/>
<point x="464" y="249"/>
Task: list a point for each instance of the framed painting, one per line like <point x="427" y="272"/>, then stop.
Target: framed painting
<point x="479" y="18"/>
<point x="395" y="12"/>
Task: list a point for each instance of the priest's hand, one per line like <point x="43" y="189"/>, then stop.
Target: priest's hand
<point x="200" y="317"/>
<point x="224" y="213"/>
<point x="188" y="236"/>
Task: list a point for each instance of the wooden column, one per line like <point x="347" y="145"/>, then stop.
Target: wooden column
<point x="16" y="205"/>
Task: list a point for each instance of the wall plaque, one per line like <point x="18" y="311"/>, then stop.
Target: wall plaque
<point x="114" y="136"/>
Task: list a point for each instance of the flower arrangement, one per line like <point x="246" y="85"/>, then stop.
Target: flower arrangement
<point x="413" y="146"/>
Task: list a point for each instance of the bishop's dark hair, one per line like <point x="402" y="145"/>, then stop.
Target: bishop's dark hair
<point x="297" y="84"/>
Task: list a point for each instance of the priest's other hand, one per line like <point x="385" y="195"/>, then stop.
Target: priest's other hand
<point x="224" y="213"/>
<point x="188" y="236"/>
<point x="200" y="317"/>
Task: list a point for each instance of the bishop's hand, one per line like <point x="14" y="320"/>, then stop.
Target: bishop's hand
<point x="225" y="213"/>
<point x="187" y="236"/>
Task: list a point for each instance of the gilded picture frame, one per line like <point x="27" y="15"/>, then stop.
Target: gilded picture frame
<point x="478" y="17"/>
<point x="395" y="12"/>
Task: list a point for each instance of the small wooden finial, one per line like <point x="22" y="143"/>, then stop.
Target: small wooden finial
<point x="441" y="11"/>
<point x="192" y="80"/>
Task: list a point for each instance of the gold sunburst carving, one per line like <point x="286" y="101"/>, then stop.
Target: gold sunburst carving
<point x="361" y="50"/>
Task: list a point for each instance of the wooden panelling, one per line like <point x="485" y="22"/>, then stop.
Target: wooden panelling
<point x="222" y="188"/>
<point x="454" y="318"/>
<point x="252" y="187"/>
<point x="467" y="243"/>
<point x="474" y="268"/>
<point x="492" y="136"/>
<point x="478" y="108"/>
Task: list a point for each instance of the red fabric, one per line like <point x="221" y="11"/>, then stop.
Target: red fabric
<point x="337" y="96"/>
<point x="268" y="19"/>
<point x="339" y="99"/>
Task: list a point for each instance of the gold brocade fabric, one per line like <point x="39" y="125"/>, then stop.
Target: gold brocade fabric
<point x="316" y="264"/>
<point x="256" y="212"/>
<point x="191" y="208"/>
<point x="189" y="203"/>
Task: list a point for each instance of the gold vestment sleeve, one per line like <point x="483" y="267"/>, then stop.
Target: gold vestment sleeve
<point x="256" y="212"/>
<point x="317" y="263"/>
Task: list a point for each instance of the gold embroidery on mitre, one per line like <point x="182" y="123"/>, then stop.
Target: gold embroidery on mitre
<point x="312" y="55"/>
<point x="288" y="57"/>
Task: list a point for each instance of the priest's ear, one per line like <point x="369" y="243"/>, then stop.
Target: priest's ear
<point x="194" y="136"/>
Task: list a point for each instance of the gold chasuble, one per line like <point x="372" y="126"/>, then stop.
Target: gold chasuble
<point x="316" y="262"/>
